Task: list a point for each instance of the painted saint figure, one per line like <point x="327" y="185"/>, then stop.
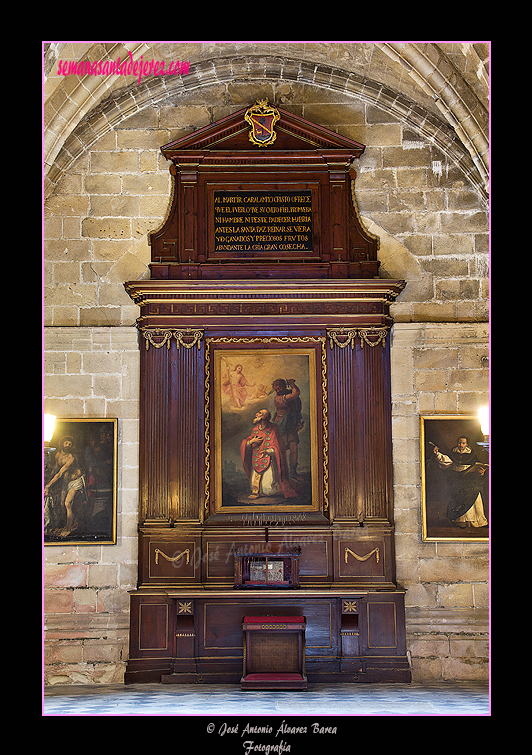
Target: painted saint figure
<point x="234" y="385"/>
<point x="288" y="419"/>
<point x="264" y="459"/>
<point x="67" y="470"/>
<point x="465" y="481"/>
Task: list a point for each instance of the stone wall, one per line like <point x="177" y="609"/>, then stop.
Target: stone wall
<point x="93" y="372"/>
<point x="432" y="223"/>
<point x="437" y="369"/>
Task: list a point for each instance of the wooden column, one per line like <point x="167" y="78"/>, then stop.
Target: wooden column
<point x="153" y="473"/>
<point x="171" y="426"/>
<point x="377" y="419"/>
<point x="186" y="429"/>
<point x="346" y="439"/>
<point x="360" y="417"/>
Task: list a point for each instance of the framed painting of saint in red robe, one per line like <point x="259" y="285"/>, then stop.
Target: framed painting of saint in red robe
<point x="265" y="432"/>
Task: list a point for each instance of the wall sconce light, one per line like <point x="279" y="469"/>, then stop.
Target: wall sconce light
<point x="48" y="428"/>
<point x="48" y="434"/>
<point x="484" y="417"/>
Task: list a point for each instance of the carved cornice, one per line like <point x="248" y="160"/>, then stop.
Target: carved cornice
<point x="354" y="302"/>
<point x="146" y="291"/>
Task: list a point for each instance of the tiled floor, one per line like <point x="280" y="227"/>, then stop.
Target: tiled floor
<point x="446" y="699"/>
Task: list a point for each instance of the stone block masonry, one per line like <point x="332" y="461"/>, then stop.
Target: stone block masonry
<point x="97" y="220"/>
<point x="93" y="372"/>
<point x="438" y="369"/>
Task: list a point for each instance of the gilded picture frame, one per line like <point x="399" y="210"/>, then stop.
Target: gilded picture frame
<point x="266" y="435"/>
<point x="454" y="479"/>
<point x="80" y="482"/>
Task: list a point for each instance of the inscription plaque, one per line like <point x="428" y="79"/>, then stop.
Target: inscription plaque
<point x="263" y="222"/>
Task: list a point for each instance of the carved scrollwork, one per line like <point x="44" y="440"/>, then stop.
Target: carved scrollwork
<point x="152" y="334"/>
<point x="366" y="334"/>
<point x="194" y="338"/>
<point x="158" y="337"/>
<point x="343" y="337"/>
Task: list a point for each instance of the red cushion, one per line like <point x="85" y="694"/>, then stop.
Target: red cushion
<point x="273" y="619"/>
<point x="279" y="677"/>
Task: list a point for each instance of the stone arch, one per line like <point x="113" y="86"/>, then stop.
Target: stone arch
<point x="232" y="80"/>
<point x="97" y="116"/>
<point x="74" y="99"/>
<point x="429" y="68"/>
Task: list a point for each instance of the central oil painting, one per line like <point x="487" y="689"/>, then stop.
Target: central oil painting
<point x="265" y="429"/>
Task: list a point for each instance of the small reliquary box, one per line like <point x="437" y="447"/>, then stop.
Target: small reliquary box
<point x="267" y="570"/>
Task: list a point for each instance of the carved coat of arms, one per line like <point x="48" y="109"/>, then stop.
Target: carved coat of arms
<point x="262" y="118"/>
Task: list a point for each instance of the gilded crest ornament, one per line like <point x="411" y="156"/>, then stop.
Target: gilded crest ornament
<point x="262" y="118"/>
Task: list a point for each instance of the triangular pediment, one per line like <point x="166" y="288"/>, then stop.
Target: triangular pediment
<point x="293" y="133"/>
<point x="262" y="193"/>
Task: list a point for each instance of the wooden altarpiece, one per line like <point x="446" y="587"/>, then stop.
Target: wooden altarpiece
<point x="264" y="289"/>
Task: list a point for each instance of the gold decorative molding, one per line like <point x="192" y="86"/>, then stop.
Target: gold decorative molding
<point x="349" y="606"/>
<point x="149" y="335"/>
<point x="365" y="334"/>
<point x="187" y="338"/>
<point x="349" y="337"/>
<point x="172" y="558"/>
<point x="325" y="434"/>
<point x="266" y="339"/>
<point x="343" y="337"/>
<point x="185" y="607"/>
<point x="196" y="335"/>
<point x="362" y="558"/>
<point x="360" y="303"/>
<point x="207" y="435"/>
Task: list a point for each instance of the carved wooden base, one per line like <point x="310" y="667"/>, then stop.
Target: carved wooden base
<point x="191" y="636"/>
